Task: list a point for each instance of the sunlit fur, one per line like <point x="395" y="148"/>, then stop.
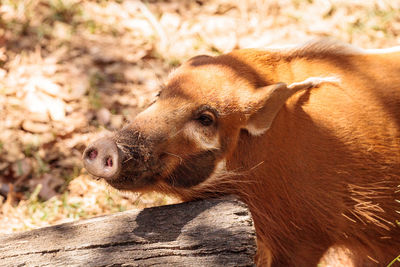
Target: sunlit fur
<point x="325" y="173"/>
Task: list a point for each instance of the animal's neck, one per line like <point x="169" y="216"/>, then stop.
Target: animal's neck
<point x="278" y="197"/>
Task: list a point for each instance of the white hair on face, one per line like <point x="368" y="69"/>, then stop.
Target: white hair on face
<point x="220" y="167"/>
<point x="201" y="141"/>
<point x="253" y="130"/>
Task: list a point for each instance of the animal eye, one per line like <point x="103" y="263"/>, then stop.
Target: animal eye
<point x="206" y="118"/>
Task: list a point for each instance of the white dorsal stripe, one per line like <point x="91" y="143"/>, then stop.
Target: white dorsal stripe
<point x="382" y="50"/>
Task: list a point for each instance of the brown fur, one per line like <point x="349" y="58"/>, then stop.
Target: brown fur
<point x="327" y="171"/>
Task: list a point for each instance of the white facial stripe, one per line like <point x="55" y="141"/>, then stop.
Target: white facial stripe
<point x="200" y="140"/>
<point x="220" y="167"/>
<point x="253" y="130"/>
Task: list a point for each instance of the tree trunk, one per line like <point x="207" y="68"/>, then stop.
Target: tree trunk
<point x="213" y="232"/>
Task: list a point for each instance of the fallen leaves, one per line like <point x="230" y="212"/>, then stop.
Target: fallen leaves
<point x="21" y="169"/>
<point x="72" y="70"/>
<point x="35" y="127"/>
<point x="49" y="185"/>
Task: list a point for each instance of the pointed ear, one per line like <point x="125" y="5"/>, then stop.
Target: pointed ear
<point x="269" y="100"/>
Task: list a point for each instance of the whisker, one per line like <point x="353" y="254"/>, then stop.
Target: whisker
<point x="176" y="133"/>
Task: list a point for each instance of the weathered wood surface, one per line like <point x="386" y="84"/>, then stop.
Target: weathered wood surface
<point x="214" y="232"/>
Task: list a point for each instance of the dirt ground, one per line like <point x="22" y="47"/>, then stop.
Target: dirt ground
<point x="72" y="70"/>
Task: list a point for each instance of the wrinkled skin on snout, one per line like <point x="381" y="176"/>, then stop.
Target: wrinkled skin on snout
<point x="185" y="137"/>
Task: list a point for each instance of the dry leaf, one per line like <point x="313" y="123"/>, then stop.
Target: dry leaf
<point x="35" y="127"/>
<point x="47" y="86"/>
<point x="34" y="103"/>
<point x="103" y="116"/>
<point x="22" y="168"/>
<point x="50" y="185"/>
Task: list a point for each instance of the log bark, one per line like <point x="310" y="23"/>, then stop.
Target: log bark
<point x="213" y="232"/>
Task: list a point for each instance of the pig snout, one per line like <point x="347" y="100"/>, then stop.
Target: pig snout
<point x="102" y="158"/>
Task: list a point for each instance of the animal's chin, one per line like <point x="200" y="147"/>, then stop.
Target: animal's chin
<point x="136" y="175"/>
<point x="132" y="182"/>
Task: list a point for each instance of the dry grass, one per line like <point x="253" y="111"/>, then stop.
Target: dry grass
<point x="84" y="198"/>
<point x="71" y="70"/>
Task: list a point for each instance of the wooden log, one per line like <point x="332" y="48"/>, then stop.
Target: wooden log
<point x="213" y="232"/>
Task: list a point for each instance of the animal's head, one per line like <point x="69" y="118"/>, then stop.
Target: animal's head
<point x="186" y="135"/>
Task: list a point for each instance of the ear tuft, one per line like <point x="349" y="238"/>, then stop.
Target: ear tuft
<point x="312" y="82"/>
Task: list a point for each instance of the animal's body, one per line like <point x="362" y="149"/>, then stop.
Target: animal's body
<point x="317" y="162"/>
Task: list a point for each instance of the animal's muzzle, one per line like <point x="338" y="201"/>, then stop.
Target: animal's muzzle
<point x="102" y="158"/>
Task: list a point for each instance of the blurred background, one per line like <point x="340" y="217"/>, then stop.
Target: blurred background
<point x="73" y="70"/>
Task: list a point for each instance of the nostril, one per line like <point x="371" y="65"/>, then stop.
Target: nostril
<point x="92" y="154"/>
<point x="109" y="162"/>
<point x="102" y="158"/>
